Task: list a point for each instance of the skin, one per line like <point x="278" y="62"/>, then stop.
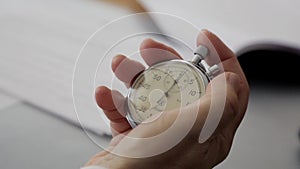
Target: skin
<point x="188" y="153"/>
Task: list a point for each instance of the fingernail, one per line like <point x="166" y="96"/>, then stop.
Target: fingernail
<point x="116" y="60"/>
<point x="145" y="43"/>
<point x="101" y="90"/>
<point x="205" y="30"/>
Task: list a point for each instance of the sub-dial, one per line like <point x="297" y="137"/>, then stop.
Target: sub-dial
<point x="158" y="101"/>
<point x="151" y="105"/>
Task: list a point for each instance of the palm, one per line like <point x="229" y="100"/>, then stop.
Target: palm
<point x="205" y="155"/>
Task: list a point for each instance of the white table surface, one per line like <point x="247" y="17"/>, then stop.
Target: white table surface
<point x="266" y="139"/>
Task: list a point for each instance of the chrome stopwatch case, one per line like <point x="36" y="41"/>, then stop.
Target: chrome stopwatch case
<point x="168" y="85"/>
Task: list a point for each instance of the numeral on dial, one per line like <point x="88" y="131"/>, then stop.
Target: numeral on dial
<point x="143" y="109"/>
<point x="193" y="93"/>
<point x="146" y="86"/>
<point x="191" y="81"/>
<point x="143" y="98"/>
<point x="161" y="102"/>
<point x="156" y="77"/>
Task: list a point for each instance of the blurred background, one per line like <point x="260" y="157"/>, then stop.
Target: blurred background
<point x="40" y="41"/>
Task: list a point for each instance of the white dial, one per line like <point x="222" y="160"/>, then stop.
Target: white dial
<point x="165" y="86"/>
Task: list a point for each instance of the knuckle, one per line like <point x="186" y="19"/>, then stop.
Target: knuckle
<point x="232" y="104"/>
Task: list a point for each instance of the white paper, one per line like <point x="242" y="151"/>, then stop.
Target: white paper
<point x="238" y="23"/>
<point x="39" y="44"/>
<point x="6" y="100"/>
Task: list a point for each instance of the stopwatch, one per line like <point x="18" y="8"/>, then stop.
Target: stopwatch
<point x="168" y="85"/>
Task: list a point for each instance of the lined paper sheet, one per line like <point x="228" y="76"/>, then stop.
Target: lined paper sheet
<point x="39" y="43"/>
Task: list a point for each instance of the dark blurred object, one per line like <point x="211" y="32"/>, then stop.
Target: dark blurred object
<point x="299" y="135"/>
<point x="271" y="65"/>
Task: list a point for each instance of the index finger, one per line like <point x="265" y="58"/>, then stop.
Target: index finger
<point x="154" y="52"/>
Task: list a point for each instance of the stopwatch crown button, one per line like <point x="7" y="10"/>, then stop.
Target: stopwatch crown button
<point x="213" y="70"/>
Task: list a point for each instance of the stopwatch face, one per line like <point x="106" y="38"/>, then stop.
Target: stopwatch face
<point x="165" y="86"/>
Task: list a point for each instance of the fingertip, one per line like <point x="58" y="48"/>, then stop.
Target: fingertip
<point x="208" y="34"/>
<point x="212" y="41"/>
<point x="126" y="69"/>
<point x="148" y="43"/>
<point x="100" y="93"/>
<point x="116" y="60"/>
<point x="101" y="90"/>
<point x="154" y="52"/>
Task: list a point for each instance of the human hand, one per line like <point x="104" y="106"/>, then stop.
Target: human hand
<point x="188" y="153"/>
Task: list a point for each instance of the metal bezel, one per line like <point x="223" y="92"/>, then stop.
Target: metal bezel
<point x="200" y="70"/>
